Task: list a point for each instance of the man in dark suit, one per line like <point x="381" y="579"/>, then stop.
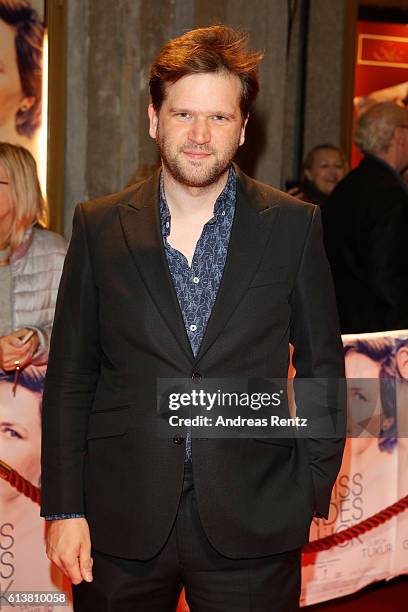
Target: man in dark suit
<point x="198" y="272"/>
<point x="366" y="226"/>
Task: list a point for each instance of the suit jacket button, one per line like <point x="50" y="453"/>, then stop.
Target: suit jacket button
<point x="196" y="376"/>
<point x="178" y="439"/>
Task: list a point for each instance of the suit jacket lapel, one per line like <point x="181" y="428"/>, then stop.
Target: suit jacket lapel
<point x="140" y="220"/>
<point x="254" y="217"/>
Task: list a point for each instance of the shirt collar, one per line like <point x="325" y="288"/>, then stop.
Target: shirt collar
<point x="225" y="200"/>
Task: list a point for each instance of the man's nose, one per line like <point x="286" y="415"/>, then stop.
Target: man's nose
<point x="200" y="131"/>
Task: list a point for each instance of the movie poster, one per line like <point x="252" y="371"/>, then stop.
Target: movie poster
<point x="25" y="570"/>
<point x="373" y="476"/>
<point x="21" y="73"/>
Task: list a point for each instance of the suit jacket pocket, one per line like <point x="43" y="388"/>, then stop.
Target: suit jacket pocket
<point x="108" y="423"/>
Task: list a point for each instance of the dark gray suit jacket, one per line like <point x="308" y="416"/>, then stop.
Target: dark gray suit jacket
<point x="118" y="327"/>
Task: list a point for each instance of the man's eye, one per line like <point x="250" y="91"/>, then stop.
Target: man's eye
<point x="9" y="432"/>
<point x="219" y="118"/>
<point x="183" y="116"/>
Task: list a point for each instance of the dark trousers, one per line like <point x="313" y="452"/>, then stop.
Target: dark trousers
<point x="213" y="583"/>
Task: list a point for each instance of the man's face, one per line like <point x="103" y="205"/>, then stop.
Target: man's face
<point x="199" y="127"/>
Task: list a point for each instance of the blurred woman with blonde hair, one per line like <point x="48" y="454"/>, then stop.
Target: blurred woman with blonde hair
<point x="31" y="260"/>
<point x="323" y="167"/>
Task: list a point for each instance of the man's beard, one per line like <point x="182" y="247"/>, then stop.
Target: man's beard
<point x="200" y="173"/>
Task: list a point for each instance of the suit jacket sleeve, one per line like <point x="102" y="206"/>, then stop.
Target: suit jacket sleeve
<point x="318" y="354"/>
<point x="71" y="379"/>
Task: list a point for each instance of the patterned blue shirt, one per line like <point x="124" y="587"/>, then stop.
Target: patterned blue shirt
<point x="197" y="286"/>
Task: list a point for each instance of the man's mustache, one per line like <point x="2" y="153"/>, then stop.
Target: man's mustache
<point x="194" y="147"/>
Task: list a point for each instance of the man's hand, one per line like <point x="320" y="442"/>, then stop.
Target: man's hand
<point x="12" y="349"/>
<point x="69" y="547"/>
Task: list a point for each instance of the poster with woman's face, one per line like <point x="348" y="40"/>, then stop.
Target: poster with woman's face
<point x="20" y="433"/>
<point x="24" y="566"/>
<point x="21" y="72"/>
<point x="373" y="475"/>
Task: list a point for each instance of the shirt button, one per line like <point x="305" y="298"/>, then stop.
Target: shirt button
<point x="167" y="224"/>
<point x="223" y="213"/>
<point x="196" y="280"/>
<point x="193" y="327"/>
<point x="196" y="376"/>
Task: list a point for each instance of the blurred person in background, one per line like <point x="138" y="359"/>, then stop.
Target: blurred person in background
<point x="21" y="50"/>
<point x="366" y="224"/>
<point x="323" y="167"/>
<point x="31" y="260"/>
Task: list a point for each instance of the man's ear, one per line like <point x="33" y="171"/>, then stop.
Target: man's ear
<point x="402" y="361"/>
<point x="242" y="134"/>
<point x="153" y="121"/>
